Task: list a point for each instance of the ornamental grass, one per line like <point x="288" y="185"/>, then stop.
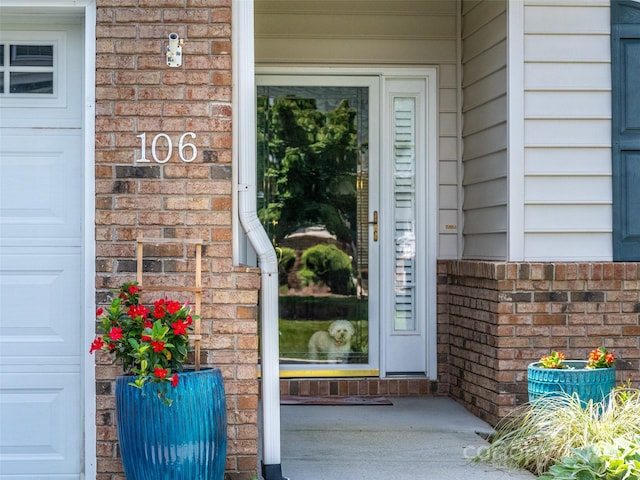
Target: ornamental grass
<point x="536" y="436"/>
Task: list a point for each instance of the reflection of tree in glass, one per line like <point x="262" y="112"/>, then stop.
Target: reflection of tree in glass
<point x="307" y="160"/>
<point x="329" y="265"/>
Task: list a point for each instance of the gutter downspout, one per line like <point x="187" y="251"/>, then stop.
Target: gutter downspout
<point x="244" y="128"/>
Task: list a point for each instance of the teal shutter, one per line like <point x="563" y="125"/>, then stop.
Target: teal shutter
<point x="625" y="141"/>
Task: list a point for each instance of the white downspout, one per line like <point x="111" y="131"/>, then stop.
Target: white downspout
<point x="244" y="128"/>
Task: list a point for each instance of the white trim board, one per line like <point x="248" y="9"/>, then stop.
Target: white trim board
<point x="515" y="135"/>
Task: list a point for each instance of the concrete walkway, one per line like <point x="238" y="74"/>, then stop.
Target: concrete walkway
<point x="415" y="439"/>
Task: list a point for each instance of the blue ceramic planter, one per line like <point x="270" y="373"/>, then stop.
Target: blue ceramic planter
<point x="184" y="441"/>
<point x="593" y="384"/>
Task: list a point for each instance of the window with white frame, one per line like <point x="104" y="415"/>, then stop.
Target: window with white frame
<point x="27" y="69"/>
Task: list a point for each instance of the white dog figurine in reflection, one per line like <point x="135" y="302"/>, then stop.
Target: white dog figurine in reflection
<point x="335" y="344"/>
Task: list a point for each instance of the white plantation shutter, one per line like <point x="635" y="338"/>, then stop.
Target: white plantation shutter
<point x="404" y="159"/>
<point x="409" y="225"/>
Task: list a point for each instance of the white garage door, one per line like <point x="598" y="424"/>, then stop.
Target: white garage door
<point x="41" y="225"/>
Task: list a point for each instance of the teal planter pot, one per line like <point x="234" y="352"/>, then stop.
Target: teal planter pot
<point x="184" y="441"/>
<point x="592" y="384"/>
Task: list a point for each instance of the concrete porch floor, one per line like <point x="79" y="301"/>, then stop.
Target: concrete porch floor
<point x="415" y="438"/>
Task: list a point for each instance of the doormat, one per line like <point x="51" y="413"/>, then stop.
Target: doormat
<point x="304" y="400"/>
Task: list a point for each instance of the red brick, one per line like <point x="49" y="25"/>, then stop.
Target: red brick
<point x="138" y="15"/>
<point x="138" y="203"/>
<point x="212" y="30"/>
<point x="137" y="78"/>
<point x="161" y="218"/>
<point x="162" y="124"/>
<point x="116" y="31"/>
<point x="585" y="319"/>
<point x="115" y="218"/>
<point x="137" y="108"/>
<point x="104" y="46"/>
<point x="628" y="319"/>
<point x="114" y="125"/>
<point x="116" y="3"/>
<point x="182" y="16"/>
<point x="187" y="171"/>
<point x="187" y="203"/>
<point x="151" y="63"/>
<point x="163" y="187"/>
<point x="532" y="308"/>
<point x="221" y="47"/>
<point x="137" y="47"/>
<point x="112" y="62"/>
<point x="162" y="93"/>
<point x="631" y="331"/>
<point x="630" y="271"/>
<point x="549" y="320"/>
<point x="161" y="3"/>
<point x="182" y="109"/>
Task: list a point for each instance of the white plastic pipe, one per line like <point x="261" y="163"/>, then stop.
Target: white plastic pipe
<point x="244" y="126"/>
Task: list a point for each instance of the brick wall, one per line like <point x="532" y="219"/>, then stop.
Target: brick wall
<point x="137" y="93"/>
<point x="503" y="316"/>
<point x="442" y="331"/>
<point x="358" y="387"/>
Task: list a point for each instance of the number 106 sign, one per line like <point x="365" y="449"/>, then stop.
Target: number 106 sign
<point x="187" y="151"/>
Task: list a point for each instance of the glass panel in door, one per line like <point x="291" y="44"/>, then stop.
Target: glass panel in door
<point x="313" y="201"/>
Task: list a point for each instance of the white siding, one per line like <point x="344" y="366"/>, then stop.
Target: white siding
<point x="484" y="64"/>
<point x="567" y="130"/>
<point x="376" y="32"/>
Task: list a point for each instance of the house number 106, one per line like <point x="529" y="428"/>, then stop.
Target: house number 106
<point x="183" y="148"/>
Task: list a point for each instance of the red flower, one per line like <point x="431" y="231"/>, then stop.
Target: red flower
<point x="179" y="328"/>
<point x="159" y="310"/>
<point x="149" y="340"/>
<point x="97" y="344"/>
<point x="173" y="307"/>
<point x="609" y="358"/>
<point x="115" y="333"/>
<point x="136" y="311"/>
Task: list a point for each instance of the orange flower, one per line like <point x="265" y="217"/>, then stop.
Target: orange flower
<point x="554" y="360"/>
<point x="600" y="358"/>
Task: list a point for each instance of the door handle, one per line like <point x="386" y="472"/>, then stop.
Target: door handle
<point x="375" y="225"/>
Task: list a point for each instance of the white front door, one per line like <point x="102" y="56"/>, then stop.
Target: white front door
<point x="41" y="228"/>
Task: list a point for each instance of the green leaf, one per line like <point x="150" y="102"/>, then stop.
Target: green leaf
<point x="159" y="331"/>
<point x="139" y="382"/>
